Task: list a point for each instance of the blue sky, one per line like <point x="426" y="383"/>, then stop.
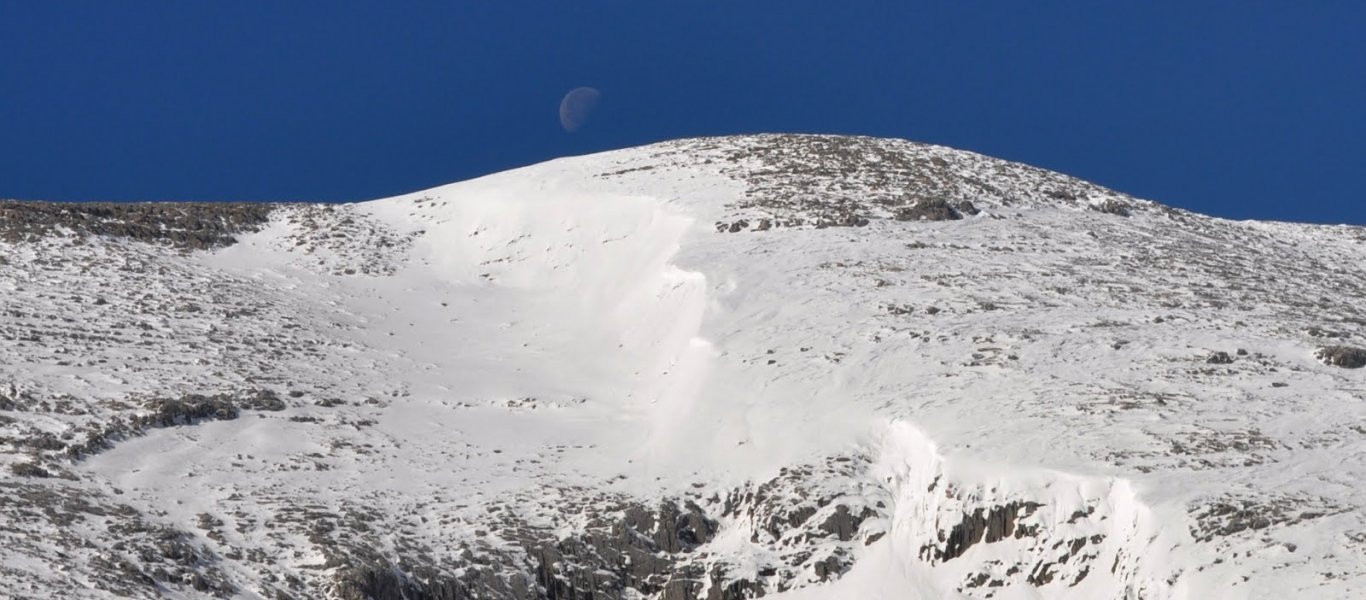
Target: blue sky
<point x="1239" y="109"/>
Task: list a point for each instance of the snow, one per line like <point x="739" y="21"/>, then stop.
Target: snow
<point x="582" y="324"/>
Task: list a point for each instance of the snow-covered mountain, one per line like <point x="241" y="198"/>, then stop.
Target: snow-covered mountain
<point x="782" y="366"/>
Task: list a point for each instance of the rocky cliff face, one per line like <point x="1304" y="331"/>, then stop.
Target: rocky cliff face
<point x="722" y="368"/>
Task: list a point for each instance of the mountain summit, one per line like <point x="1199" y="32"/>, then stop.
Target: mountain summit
<point x="778" y="365"/>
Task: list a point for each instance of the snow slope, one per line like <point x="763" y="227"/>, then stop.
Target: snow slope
<point x="712" y="368"/>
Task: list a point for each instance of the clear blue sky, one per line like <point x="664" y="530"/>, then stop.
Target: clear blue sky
<point x="1240" y="109"/>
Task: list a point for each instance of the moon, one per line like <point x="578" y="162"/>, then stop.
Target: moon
<point x="576" y="107"/>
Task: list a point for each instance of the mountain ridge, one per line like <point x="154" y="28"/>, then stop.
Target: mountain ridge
<point x="815" y="365"/>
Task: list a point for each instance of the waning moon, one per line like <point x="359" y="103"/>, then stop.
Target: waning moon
<point x="576" y="106"/>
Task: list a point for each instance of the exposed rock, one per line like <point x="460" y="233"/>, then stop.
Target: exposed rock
<point x="184" y="225"/>
<point x="139" y="559"/>
<point x="844" y="524"/>
<point x="190" y="409"/>
<point x="1231" y="516"/>
<point x="377" y="579"/>
<point x="1112" y="207"/>
<point x="966" y="207"/>
<point x="28" y="470"/>
<point x="928" y="209"/>
<point x="1346" y="357"/>
<point x="1219" y="358"/>
<point x="261" y="399"/>
<point x="808" y="179"/>
<point x="643" y="552"/>
<point x="830" y="568"/>
<point x="1041" y="575"/>
<point x="996" y="524"/>
<point x="682" y="528"/>
<point x="1320" y="332"/>
<point x="187" y="410"/>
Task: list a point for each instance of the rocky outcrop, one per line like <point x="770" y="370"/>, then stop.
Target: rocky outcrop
<point x="624" y="549"/>
<point x="639" y="550"/>
<point x="1112" y="207"/>
<point x="844" y="524"/>
<point x="1219" y="358"/>
<point x="165" y="412"/>
<point x="983" y="526"/>
<point x="928" y="209"/>
<point x="1347" y="357"/>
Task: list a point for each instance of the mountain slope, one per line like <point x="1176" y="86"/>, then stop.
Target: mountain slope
<point x="811" y="366"/>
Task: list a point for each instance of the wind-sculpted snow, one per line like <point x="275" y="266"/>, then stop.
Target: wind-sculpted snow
<point x="721" y="368"/>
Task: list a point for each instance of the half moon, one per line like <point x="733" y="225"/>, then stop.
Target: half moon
<point x="576" y="106"/>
